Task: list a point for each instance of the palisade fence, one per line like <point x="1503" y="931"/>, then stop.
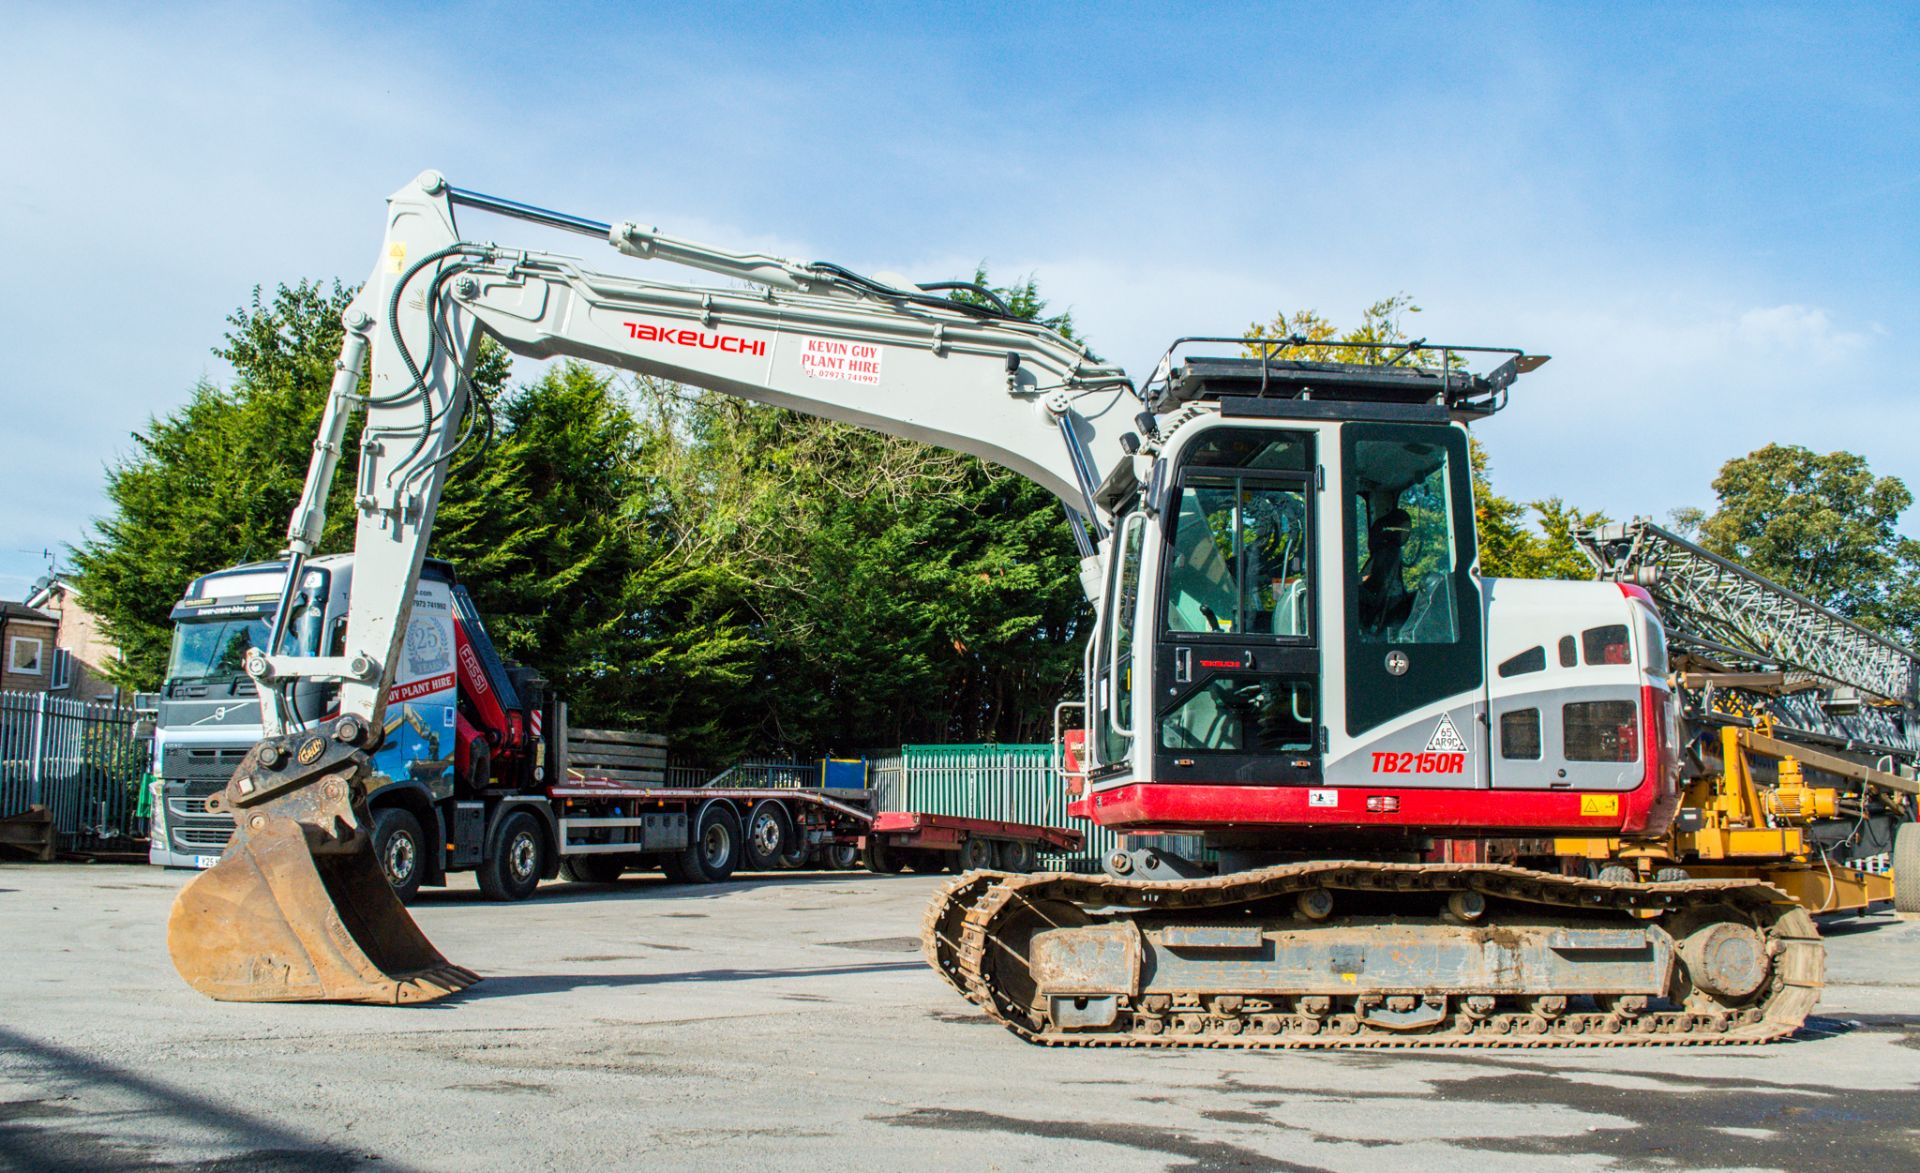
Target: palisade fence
<point x="1016" y="783"/>
<point x="81" y="761"/>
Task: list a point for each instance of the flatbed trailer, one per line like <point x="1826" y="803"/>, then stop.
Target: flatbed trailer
<point x="898" y="839"/>
<point x="602" y="827"/>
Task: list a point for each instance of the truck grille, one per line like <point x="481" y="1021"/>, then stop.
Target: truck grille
<point x="192" y="773"/>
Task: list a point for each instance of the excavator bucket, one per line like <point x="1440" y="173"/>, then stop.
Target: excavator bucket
<point x="297" y="909"/>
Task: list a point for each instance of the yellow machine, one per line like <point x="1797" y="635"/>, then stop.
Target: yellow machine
<point x="1797" y="736"/>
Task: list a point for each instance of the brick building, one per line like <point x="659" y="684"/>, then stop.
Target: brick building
<point x="51" y="643"/>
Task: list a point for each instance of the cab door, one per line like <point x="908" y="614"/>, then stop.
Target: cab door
<point x="1237" y="655"/>
<point x="1412" y="653"/>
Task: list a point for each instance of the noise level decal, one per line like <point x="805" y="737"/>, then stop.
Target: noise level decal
<point x="1446" y="739"/>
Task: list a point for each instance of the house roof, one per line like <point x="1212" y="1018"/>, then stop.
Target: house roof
<point x="22" y="611"/>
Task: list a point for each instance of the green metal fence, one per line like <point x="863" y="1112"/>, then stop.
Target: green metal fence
<point x="1016" y="783"/>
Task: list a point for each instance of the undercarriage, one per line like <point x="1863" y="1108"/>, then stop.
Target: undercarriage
<point x="1358" y="954"/>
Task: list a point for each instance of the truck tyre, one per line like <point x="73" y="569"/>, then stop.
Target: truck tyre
<point x="882" y="859"/>
<point x="714" y="849"/>
<point x="1906" y="868"/>
<point x="976" y="854"/>
<point x="512" y="870"/>
<point x="843" y="856"/>
<point x="593" y="869"/>
<point x="1018" y="855"/>
<point x="769" y="834"/>
<point x="401" y="847"/>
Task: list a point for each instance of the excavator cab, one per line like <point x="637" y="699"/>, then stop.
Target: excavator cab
<point x="1294" y="635"/>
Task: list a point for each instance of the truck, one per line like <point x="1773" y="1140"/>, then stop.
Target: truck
<point x="1293" y="656"/>
<point x="461" y="750"/>
<point x="479" y="769"/>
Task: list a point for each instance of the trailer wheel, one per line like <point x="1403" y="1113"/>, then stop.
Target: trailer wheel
<point x="883" y="859"/>
<point x="1906" y="868"/>
<point x="513" y="871"/>
<point x="401" y="847"/>
<point x="769" y="834"/>
<point x="1018" y="855"/>
<point x="843" y="856"/>
<point x="593" y="869"/>
<point x="798" y="852"/>
<point x="713" y="851"/>
<point x="928" y="861"/>
<point x="976" y="854"/>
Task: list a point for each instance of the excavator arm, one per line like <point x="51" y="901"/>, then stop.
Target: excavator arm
<point x="297" y="908"/>
<point x="813" y="337"/>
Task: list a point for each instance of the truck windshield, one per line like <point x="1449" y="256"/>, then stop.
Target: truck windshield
<point x="216" y="647"/>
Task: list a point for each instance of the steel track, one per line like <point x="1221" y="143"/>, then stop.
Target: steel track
<point x="962" y="938"/>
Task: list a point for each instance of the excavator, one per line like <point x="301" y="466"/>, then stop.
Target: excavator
<point x="1294" y="658"/>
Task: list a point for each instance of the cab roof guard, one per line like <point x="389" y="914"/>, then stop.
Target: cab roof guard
<point x="1414" y="372"/>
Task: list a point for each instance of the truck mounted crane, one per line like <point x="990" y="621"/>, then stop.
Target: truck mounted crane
<point x="1294" y="657"/>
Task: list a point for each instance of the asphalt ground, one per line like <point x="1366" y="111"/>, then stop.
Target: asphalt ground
<point x="787" y="1022"/>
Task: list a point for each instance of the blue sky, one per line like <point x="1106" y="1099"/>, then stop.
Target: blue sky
<point x="1708" y="214"/>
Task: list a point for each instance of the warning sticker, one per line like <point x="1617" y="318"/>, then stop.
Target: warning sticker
<point x="1323" y="798"/>
<point x="1599" y="804"/>
<point x="1446" y="739"/>
<point x="847" y="362"/>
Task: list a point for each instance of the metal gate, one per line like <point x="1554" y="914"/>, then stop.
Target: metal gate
<point x="81" y="761"/>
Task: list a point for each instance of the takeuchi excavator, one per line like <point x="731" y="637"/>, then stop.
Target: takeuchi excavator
<point x="1295" y="659"/>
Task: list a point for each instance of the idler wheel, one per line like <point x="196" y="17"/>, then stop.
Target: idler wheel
<point x="1726" y="960"/>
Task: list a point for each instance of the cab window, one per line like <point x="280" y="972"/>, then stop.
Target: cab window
<point x="1239" y="561"/>
<point x="1404" y="546"/>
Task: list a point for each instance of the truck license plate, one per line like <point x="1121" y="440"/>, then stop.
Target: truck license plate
<point x="204" y="862"/>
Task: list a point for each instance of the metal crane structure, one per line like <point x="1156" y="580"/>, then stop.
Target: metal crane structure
<point x="1801" y="732"/>
<point x="1294" y="657"/>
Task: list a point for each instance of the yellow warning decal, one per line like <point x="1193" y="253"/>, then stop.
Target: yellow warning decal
<point x="396" y="257"/>
<point x="1599" y="804"/>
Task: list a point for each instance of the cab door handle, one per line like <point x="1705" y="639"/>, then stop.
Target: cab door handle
<point x="1183" y="665"/>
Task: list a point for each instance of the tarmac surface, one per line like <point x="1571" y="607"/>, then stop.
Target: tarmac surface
<point x="787" y="1022"/>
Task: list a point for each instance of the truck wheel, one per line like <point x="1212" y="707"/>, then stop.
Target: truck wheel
<point x="512" y="872"/>
<point x="1906" y="868"/>
<point x="1017" y="855"/>
<point x="592" y="869"/>
<point x="769" y="834"/>
<point x="976" y="854"/>
<point x="713" y="851"/>
<point x="881" y="858"/>
<point x="843" y="856"/>
<point x="401" y="847"/>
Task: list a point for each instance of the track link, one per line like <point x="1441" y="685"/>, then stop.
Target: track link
<point x="975" y="927"/>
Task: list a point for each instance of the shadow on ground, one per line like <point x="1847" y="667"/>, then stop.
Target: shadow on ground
<point x="50" y="1133"/>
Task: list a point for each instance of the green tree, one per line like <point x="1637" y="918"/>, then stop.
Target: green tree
<point x="1822" y="524"/>
<point x="894" y="591"/>
<point x="536" y="525"/>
